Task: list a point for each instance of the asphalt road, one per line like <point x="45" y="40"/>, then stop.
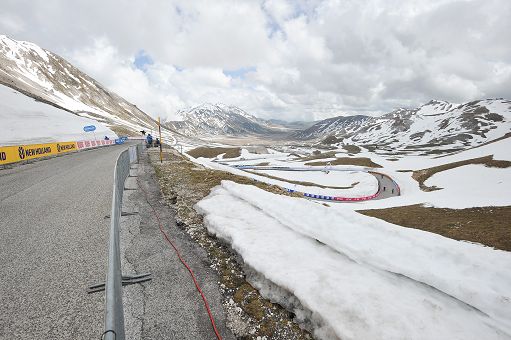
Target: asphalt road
<point x="388" y="187"/>
<point x="53" y="243"/>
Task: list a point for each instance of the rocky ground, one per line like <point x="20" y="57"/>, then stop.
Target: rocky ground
<point x="249" y="315"/>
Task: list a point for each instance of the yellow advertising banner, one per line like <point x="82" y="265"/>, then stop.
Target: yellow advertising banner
<point x="66" y="147"/>
<point x="18" y="153"/>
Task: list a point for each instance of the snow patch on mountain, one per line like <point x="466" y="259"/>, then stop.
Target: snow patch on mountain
<point x="47" y="77"/>
<point x="437" y="126"/>
<point x="219" y="119"/>
<point x="336" y="126"/>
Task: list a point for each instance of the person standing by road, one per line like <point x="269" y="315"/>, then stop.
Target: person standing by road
<point x="149" y="140"/>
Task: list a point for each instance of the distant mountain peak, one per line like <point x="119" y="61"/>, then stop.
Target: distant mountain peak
<point x="209" y="119"/>
<point x="209" y="109"/>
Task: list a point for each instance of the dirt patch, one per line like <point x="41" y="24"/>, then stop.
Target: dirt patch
<point x="331" y="140"/>
<point x="249" y="315"/>
<point x="263" y="164"/>
<point x="308" y="184"/>
<point x="360" y="161"/>
<point x="490" y="226"/>
<point x="422" y="175"/>
<point x="351" y="148"/>
<point x="213" y="152"/>
<point x="320" y="155"/>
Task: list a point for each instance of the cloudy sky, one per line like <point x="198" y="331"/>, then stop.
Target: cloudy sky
<point x="293" y="60"/>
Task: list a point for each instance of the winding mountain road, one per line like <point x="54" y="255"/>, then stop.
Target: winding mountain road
<point x="387" y="187"/>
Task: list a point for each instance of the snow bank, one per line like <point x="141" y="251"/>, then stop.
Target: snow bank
<point x="365" y="278"/>
<point x="25" y="121"/>
<point x="471" y="185"/>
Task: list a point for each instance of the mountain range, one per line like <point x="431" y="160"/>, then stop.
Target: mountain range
<point x="436" y="126"/>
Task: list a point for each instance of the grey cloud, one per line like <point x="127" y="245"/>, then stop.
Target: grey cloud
<point x="326" y="58"/>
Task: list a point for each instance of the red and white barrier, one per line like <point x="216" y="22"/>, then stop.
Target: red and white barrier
<point x="86" y="144"/>
<point x="350" y="199"/>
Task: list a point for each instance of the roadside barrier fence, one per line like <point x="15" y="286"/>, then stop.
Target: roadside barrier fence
<point x="26" y="152"/>
<point x="114" y="311"/>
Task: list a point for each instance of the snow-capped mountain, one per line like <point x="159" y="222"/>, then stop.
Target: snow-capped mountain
<point x="220" y="119"/>
<point x="341" y="125"/>
<point x="49" y="78"/>
<point x="437" y="125"/>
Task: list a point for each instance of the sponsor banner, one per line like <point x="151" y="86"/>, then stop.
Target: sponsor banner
<point x="18" y="153"/>
<point x="66" y="147"/>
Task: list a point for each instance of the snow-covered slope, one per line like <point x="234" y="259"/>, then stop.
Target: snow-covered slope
<point x="434" y="127"/>
<point x="26" y="121"/>
<point x="49" y="78"/>
<point x="357" y="277"/>
<point x="341" y="125"/>
<point x="220" y="119"/>
<point x="438" y="125"/>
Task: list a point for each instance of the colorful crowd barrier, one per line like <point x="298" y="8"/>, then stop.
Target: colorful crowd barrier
<point x="19" y="153"/>
<point x="85" y="144"/>
<point x="337" y="198"/>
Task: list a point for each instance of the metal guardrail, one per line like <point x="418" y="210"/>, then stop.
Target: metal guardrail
<point x="114" y="312"/>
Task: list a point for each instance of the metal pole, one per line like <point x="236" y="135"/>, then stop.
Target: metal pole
<point x="159" y="131"/>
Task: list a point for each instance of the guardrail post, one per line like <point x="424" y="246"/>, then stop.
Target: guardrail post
<point x="133" y="151"/>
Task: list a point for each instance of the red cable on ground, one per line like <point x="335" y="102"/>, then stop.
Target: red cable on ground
<point x="206" y="304"/>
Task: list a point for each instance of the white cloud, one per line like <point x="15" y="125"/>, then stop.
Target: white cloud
<point x="307" y="59"/>
<point x="11" y="22"/>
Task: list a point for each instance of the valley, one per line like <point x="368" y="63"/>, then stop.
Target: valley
<point x="314" y="229"/>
